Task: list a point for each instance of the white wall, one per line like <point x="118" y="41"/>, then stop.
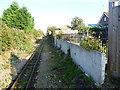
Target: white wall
<point x="91" y="62"/>
<point x="67" y="31"/>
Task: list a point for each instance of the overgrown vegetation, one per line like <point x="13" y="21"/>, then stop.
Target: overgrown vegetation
<point x="90" y="43"/>
<point x="17" y="39"/>
<point x="99" y="32"/>
<point x="68" y="73"/>
<point x="51" y="30"/>
<point x="96" y="40"/>
<point x="16" y="45"/>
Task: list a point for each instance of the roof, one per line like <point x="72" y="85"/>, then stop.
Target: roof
<point x="104" y="13"/>
<point x="65" y="27"/>
<point x="94" y="25"/>
<point x="107" y="13"/>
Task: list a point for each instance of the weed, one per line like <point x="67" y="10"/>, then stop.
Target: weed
<point x="24" y="82"/>
<point x="67" y="70"/>
<point x="88" y="80"/>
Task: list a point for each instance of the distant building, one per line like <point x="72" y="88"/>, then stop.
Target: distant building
<point x="104" y="19"/>
<point x="102" y="22"/>
<point x="65" y="27"/>
<point x="68" y="31"/>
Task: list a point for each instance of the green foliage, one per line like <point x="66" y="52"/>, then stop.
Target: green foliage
<point x="77" y="24"/>
<point x="88" y="80"/>
<point x="90" y="43"/>
<point x="51" y="30"/>
<point x="61" y="32"/>
<point x="59" y="35"/>
<point x="18" y="39"/>
<point x="98" y="32"/>
<point x="19" y="18"/>
<point x="97" y="40"/>
<point x="84" y="29"/>
<point x="68" y="70"/>
<point x="9" y="15"/>
<point x="71" y="70"/>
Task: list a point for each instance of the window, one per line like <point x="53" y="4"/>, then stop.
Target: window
<point x="116" y="3"/>
<point x="105" y="19"/>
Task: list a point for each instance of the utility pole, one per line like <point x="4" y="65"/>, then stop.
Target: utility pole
<point x="114" y="38"/>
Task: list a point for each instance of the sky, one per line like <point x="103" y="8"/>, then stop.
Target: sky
<point x="60" y="12"/>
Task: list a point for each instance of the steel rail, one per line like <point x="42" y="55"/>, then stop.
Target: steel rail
<point x="11" y="87"/>
<point x="34" y="68"/>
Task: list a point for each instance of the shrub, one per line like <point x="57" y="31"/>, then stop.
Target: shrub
<point x="90" y="43"/>
<point x="18" y="39"/>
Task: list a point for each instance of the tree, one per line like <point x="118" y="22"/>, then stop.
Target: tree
<point x="77" y="24"/>
<point x="51" y="30"/>
<point x="25" y="20"/>
<point x="19" y="18"/>
<point x="9" y="15"/>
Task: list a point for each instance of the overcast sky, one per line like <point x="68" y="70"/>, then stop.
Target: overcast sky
<point x="60" y="12"/>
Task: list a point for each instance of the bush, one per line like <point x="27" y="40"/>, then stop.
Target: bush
<point x="90" y="43"/>
<point x="18" y="39"/>
<point x="102" y="32"/>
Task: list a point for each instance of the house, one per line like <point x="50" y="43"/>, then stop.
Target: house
<point x="66" y="30"/>
<point x="104" y="20"/>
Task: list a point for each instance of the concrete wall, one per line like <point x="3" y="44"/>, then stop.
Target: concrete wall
<point x="91" y="62"/>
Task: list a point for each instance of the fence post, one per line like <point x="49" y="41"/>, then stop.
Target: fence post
<point x="114" y="39"/>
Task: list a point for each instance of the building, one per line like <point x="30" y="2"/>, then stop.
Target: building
<point x="104" y="20"/>
<point x="65" y="27"/>
<point x="68" y="31"/>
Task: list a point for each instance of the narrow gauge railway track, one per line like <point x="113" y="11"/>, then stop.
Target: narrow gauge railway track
<point x="25" y="77"/>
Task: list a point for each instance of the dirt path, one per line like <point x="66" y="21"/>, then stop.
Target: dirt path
<point x="45" y="74"/>
<point x="57" y="70"/>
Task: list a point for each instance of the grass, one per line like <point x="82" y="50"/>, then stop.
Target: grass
<point x="66" y="70"/>
<point x="24" y="82"/>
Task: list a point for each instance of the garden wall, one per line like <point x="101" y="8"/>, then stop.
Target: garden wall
<point x="91" y="62"/>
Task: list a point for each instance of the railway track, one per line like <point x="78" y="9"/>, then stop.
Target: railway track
<point x="26" y="77"/>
